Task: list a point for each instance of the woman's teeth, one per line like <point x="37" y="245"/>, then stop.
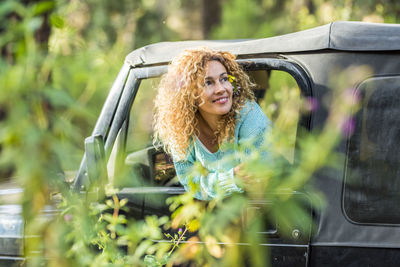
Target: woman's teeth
<point x="221" y="100"/>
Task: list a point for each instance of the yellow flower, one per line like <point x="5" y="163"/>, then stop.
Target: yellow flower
<point x="232" y="80"/>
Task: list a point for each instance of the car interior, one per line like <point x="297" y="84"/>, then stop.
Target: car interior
<point x="149" y="164"/>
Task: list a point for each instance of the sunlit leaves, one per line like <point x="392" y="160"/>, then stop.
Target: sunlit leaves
<point x="52" y="93"/>
<point x="43" y="7"/>
<point x="265" y="18"/>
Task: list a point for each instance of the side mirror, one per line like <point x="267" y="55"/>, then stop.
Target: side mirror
<point x="96" y="160"/>
<point x="152" y="167"/>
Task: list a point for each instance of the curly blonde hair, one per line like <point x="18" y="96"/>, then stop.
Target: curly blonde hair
<point x="176" y="104"/>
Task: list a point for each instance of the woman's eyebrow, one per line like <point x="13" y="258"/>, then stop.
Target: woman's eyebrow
<point x="210" y="77"/>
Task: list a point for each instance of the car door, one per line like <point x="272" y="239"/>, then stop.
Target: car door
<point x="145" y="174"/>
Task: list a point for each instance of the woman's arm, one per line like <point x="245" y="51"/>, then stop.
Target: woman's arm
<point x="254" y="125"/>
<point x="205" y="186"/>
<point x="184" y="170"/>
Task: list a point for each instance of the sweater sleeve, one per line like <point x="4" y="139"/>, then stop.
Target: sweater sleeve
<point x="184" y="171"/>
<point x="254" y="125"/>
<point x="205" y="186"/>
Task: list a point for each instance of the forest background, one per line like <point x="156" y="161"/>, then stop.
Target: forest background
<point x="59" y="59"/>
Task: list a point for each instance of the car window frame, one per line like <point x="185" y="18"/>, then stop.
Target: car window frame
<point x="360" y="89"/>
<point x="115" y="112"/>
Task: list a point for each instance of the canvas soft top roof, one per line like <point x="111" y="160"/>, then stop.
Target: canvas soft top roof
<point x="343" y="36"/>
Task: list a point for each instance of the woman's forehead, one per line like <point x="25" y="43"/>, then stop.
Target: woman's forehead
<point x="214" y="68"/>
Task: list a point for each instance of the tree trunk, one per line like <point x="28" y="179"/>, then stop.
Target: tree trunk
<point x="211" y="15"/>
<point x="311" y="6"/>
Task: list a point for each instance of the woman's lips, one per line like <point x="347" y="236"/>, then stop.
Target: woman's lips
<point x="221" y="100"/>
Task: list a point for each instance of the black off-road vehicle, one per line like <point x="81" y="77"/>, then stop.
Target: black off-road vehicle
<point x="360" y="226"/>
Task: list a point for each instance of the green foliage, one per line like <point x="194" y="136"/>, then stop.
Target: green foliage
<point x="50" y="98"/>
<point x="265" y="18"/>
<point x="49" y="103"/>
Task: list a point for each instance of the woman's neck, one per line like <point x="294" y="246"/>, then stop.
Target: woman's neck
<point x="209" y="121"/>
<point x="207" y="133"/>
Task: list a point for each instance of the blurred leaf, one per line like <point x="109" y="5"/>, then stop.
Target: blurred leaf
<point x="57" y="21"/>
<point x="213" y="247"/>
<point x="8" y="6"/>
<point x="151" y="261"/>
<point x="34" y="24"/>
<point x="43" y="7"/>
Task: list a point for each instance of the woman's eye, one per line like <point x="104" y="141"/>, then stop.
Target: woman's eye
<point x="224" y="79"/>
<point x="208" y="83"/>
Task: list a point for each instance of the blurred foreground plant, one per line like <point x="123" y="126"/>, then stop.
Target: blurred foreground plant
<point x="42" y="125"/>
<point x="42" y="133"/>
<point x="279" y="191"/>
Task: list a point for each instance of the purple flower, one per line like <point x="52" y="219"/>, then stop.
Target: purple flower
<point x="67" y="217"/>
<point x="311" y="104"/>
<point x="348" y="126"/>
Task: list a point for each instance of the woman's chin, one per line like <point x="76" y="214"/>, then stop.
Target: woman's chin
<point x="224" y="110"/>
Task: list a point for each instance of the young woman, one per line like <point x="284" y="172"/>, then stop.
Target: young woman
<point x="204" y="108"/>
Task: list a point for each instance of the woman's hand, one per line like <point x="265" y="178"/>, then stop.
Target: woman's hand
<point x="240" y="172"/>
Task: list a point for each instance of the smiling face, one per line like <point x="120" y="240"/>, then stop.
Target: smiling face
<point x="216" y="99"/>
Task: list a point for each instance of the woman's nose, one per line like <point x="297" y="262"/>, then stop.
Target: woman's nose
<point x="219" y="87"/>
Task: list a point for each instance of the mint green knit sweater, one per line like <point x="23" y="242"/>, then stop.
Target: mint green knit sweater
<point x="251" y="126"/>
